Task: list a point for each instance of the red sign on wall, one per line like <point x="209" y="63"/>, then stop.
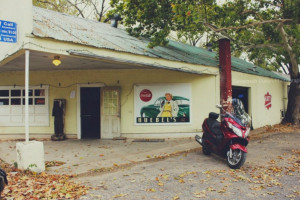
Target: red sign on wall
<point x="268" y="99"/>
<point x="145" y="95"/>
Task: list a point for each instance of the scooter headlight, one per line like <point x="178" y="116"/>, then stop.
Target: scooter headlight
<point x="236" y="130"/>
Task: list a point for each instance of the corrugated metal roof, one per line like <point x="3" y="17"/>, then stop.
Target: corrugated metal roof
<point x="59" y="26"/>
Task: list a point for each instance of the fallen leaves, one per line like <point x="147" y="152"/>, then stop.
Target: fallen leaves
<point x="259" y="179"/>
<point x="263" y="180"/>
<point x="200" y="194"/>
<point x="30" y="185"/>
<point x="271" y="129"/>
<point x="280" y="128"/>
<point x="53" y="163"/>
<point x="160" y="184"/>
<point x="119" y="195"/>
<point x="42" y="186"/>
<point x="181" y="181"/>
<point x="150" y="190"/>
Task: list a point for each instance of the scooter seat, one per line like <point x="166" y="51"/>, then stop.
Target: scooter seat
<point x="215" y="127"/>
<point x="213" y="115"/>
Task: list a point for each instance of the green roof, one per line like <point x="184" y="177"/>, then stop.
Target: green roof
<point x="59" y="26"/>
<point x="202" y="56"/>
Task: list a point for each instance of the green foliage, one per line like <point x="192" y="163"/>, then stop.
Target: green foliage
<point x="156" y="19"/>
<point x="31" y="166"/>
<point x="147" y="18"/>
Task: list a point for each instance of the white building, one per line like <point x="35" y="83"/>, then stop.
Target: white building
<point x="109" y="79"/>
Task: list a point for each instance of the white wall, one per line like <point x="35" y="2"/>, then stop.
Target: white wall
<point x="204" y="97"/>
<point x="259" y="86"/>
<point x="20" y="12"/>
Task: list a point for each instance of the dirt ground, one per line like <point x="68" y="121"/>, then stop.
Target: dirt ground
<point x="271" y="171"/>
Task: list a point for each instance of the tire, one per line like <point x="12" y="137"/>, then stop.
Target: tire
<point x="237" y="160"/>
<point x="205" y="148"/>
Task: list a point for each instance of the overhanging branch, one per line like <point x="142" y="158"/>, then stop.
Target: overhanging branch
<point x="272" y="47"/>
<point x="214" y="28"/>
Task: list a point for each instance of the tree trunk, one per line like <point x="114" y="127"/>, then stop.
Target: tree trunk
<point x="292" y="113"/>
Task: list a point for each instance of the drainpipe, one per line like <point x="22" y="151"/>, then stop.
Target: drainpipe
<point x="225" y="74"/>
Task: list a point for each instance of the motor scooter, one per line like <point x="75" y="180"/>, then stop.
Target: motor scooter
<point x="228" y="138"/>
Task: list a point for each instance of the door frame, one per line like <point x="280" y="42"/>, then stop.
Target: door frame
<point x="97" y="85"/>
<point x="249" y="97"/>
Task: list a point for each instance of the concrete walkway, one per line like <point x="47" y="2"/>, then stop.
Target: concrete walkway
<point x="82" y="156"/>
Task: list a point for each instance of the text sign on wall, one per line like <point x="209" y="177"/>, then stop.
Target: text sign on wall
<point x="8" y="31"/>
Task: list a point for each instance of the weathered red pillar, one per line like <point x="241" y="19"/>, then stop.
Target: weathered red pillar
<point x="225" y="74"/>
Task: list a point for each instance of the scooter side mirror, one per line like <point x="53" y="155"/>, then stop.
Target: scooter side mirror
<point x="219" y="106"/>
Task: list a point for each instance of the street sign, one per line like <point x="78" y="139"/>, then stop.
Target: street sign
<point x="8" y="31"/>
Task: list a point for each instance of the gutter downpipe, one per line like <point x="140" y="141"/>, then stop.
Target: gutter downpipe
<point x="225" y="74"/>
<point x="26" y="95"/>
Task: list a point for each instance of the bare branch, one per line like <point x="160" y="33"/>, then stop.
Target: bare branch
<point x="246" y="26"/>
<point x="95" y="7"/>
<point x="77" y="8"/>
<point x="213" y="28"/>
<point x="102" y="11"/>
<point x="50" y="3"/>
<point x="272" y="47"/>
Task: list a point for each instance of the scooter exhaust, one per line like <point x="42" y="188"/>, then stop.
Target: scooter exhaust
<point x="198" y="139"/>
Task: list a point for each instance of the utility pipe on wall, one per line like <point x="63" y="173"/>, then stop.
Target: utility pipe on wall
<point x="225" y="74"/>
<point x="26" y="95"/>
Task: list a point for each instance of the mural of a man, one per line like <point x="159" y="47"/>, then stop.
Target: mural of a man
<point x="168" y="108"/>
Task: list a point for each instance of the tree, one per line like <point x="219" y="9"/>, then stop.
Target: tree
<point x="157" y="18"/>
<point x="267" y="31"/>
<point x="93" y="9"/>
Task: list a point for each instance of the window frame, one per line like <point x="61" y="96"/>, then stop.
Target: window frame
<point x="14" y="115"/>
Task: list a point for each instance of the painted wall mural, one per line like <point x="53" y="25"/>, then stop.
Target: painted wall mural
<point x="158" y="104"/>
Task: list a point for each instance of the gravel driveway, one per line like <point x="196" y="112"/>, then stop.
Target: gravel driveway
<point x="271" y="171"/>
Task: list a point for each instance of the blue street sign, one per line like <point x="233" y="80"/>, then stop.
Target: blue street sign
<point x="8" y="31"/>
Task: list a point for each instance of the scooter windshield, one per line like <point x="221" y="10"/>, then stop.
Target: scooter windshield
<point x="239" y="114"/>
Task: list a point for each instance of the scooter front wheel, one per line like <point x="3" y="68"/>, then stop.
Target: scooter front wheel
<point x="235" y="158"/>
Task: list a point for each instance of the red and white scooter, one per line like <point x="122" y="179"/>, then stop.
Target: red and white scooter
<point x="228" y="138"/>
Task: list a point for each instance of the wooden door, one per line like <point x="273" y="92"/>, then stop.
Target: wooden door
<point x="90" y="112"/>
<point x="110" y="113"/>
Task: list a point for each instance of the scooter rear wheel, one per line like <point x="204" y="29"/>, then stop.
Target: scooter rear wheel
<point x="237" y="159"/>
<point x="205" y="148"/>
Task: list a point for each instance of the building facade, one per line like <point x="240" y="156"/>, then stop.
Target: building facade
<point x="113" y="85"/>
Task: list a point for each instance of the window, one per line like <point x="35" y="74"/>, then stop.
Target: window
<point x="111" y="102"/>
<point x="4" y="97"/>
<point x="12" y="106"/>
